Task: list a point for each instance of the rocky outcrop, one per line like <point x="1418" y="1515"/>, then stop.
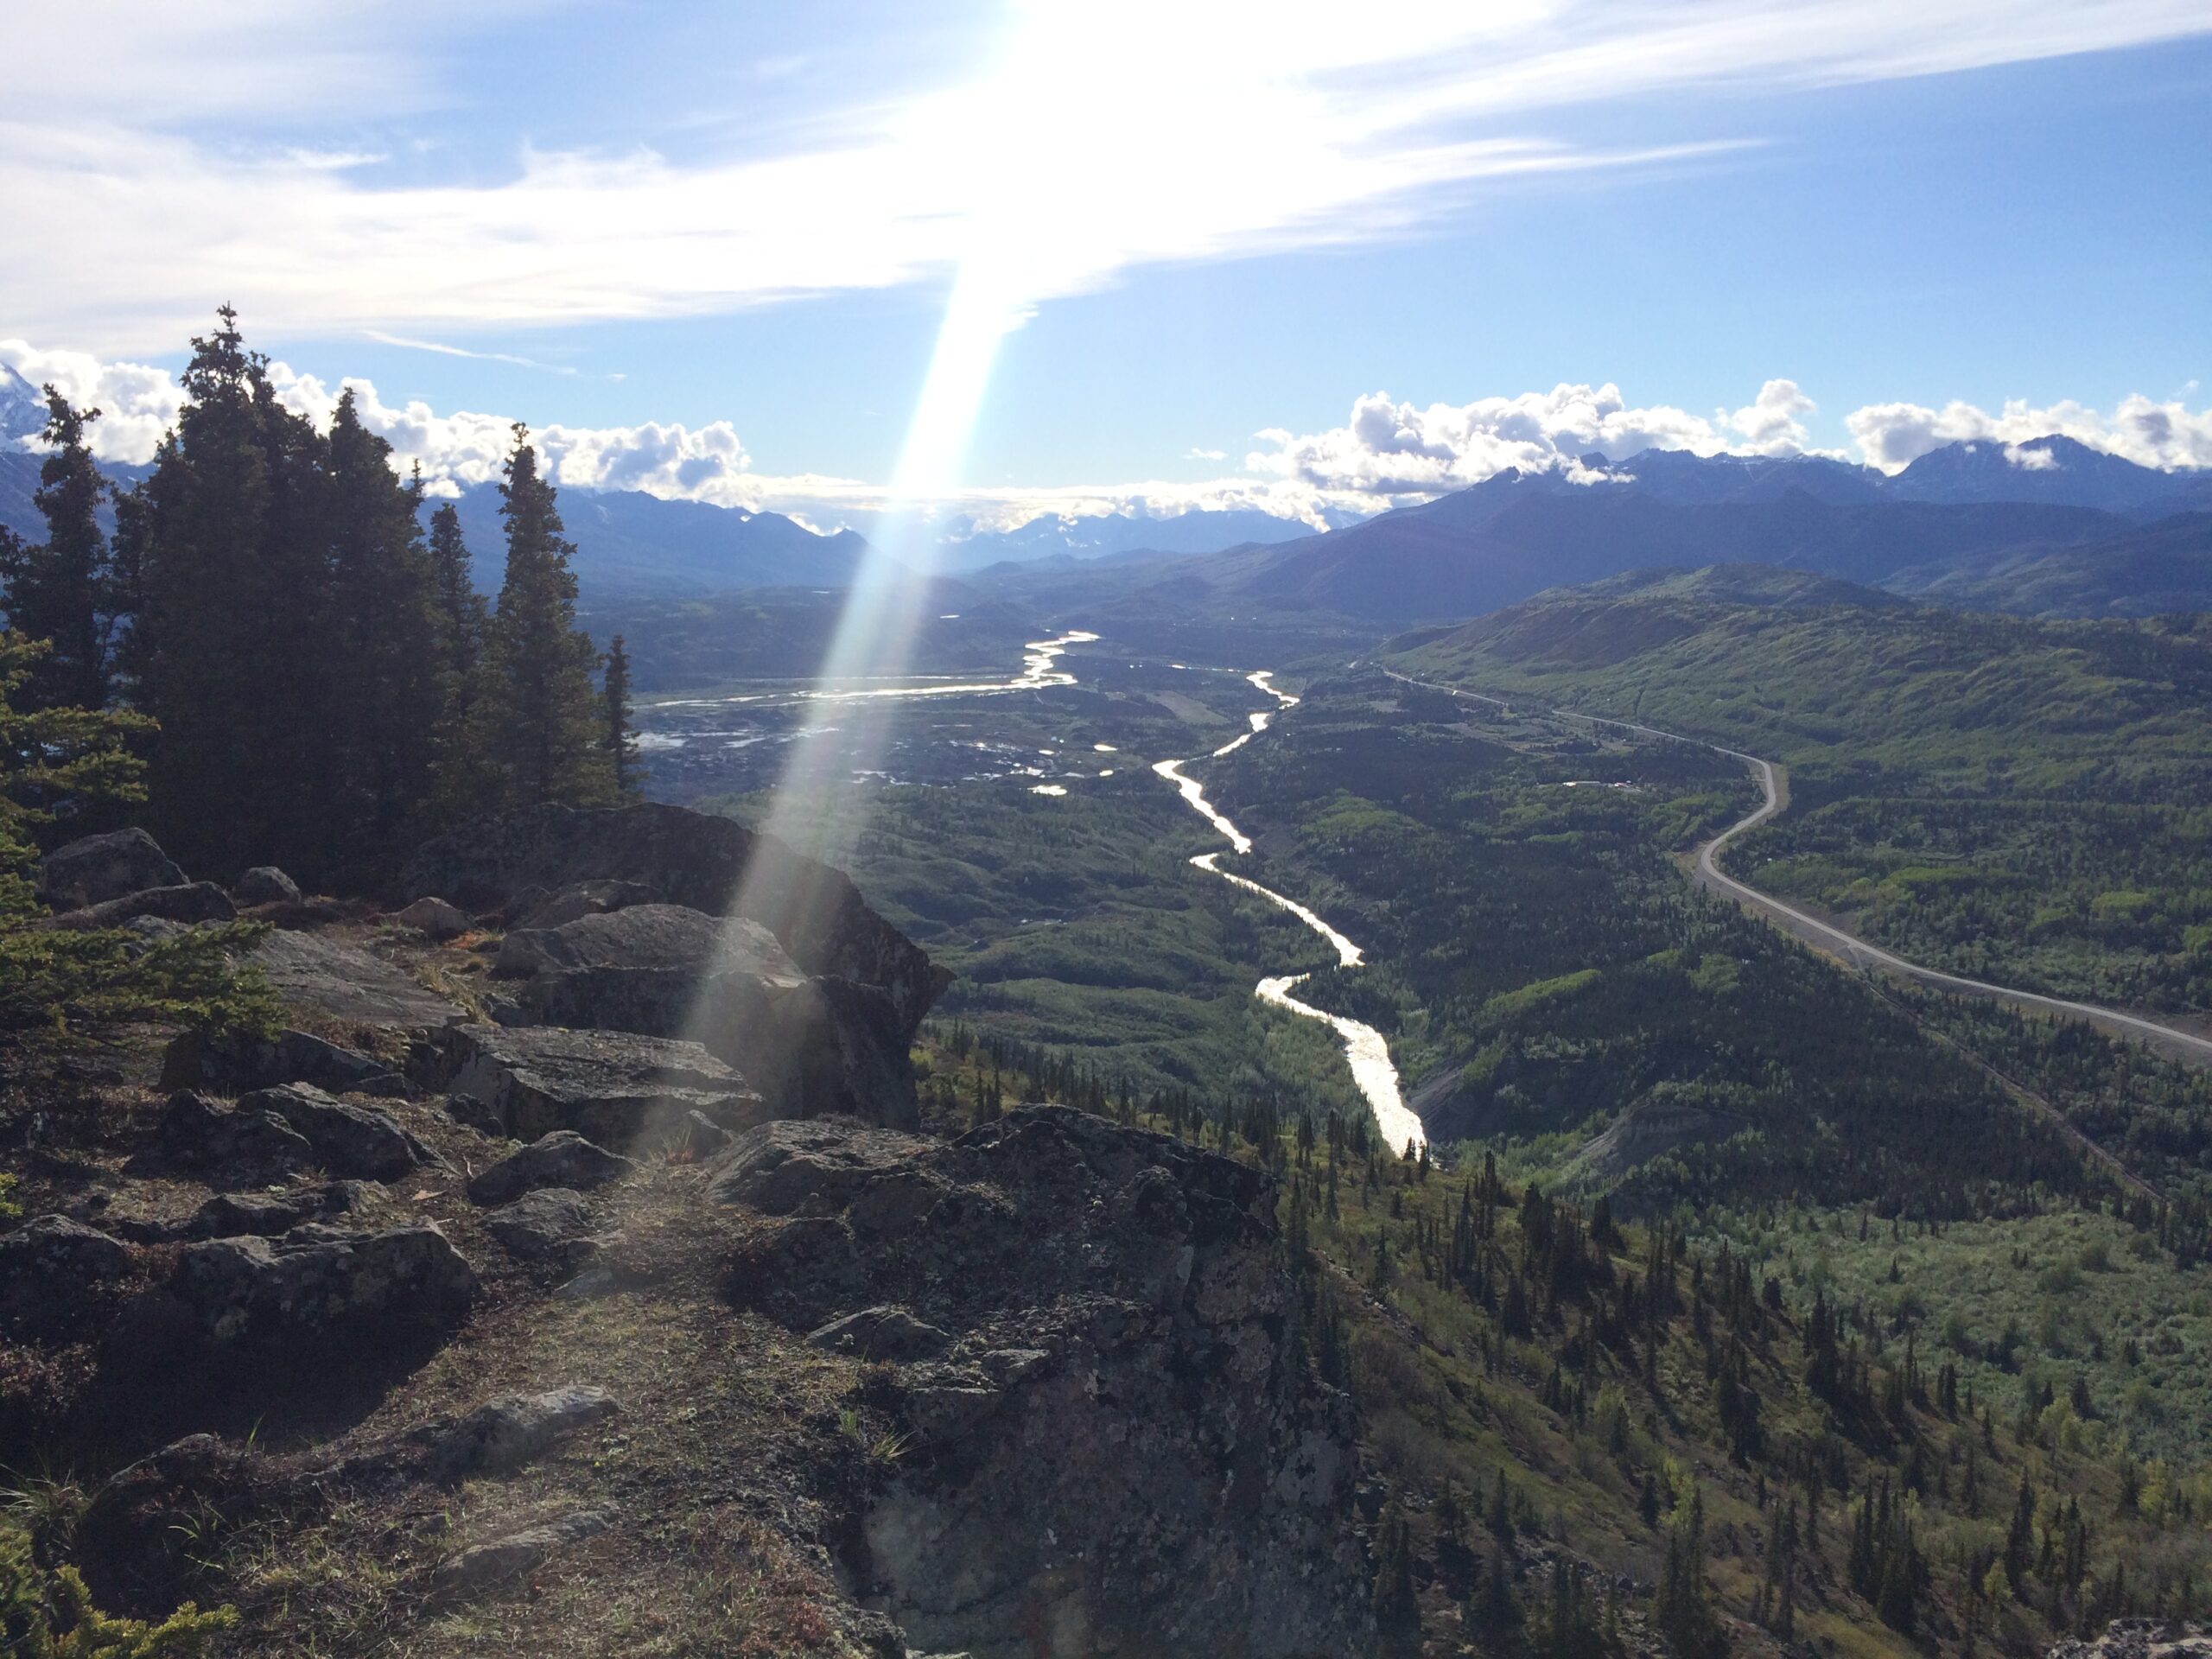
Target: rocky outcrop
<point x="612" y="1087"/>
<point x="315" y="1289"/>
<point x="96" y="869"/>
<point x="561" y="1159"/>
<point x="188" y="904"/>
<point x="346" y="982"/>
<point x="814" y="1047"/>
<point x="51" y="1272"/>
<point x="237" y="1064"/>
<point x="1110" y="1294"/>
<point x="704" y="862"/>
<point x="2143" y="1638"/>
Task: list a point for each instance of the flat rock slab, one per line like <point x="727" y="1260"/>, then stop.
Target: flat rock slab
<point x="236" y="1064"/>
<point x="647" y="936"/>
<point x="609" y="1086"/>
<point x="349" y="983"/>
<point x="780" y="1168"/>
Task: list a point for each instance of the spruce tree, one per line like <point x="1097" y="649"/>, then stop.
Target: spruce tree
<point x="621" y="738"/>
<point x="387" y="658"/>
<point x="231" y="647"/>
<point x="460" y="607"/>
<point x="536" y="710"/>
<point x="58" y="591"/>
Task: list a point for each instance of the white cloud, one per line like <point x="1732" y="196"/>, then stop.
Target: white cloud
<point x="1291" y="123"/>
<point x="2166" y="434"/>
<point x="1205" y="455"/>
<point x="1387" y="453"/>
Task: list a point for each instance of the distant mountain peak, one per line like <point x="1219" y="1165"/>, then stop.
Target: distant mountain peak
<point x="22" y="407"/>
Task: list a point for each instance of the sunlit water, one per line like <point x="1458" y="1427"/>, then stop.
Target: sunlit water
<point x="1365" y="1050"/>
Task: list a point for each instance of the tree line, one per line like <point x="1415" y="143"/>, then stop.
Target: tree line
<point x="326" y="687"/>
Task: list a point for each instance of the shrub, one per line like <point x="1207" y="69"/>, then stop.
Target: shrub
<point x="50" y="1616"/>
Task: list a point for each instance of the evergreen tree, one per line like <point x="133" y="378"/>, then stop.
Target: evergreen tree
<point x="621" y="739"/>
<point x="462" y="615"/>
<point x="1397" y="1612"/>
<point x="59" y="591"/>
<point x="230" y="648"/>
<point x="536" y="710"/>
<point x="386" y="657"/>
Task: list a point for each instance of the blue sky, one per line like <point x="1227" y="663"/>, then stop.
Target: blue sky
<point x="748" y="223"/>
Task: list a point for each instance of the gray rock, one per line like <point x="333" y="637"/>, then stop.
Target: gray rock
<point x="813" y="1046"/>
<point x="1007" y="1367"/>
<point x="347" y="1140"/>
<point x="887" y="1333"/>
<point x="609" y="1086"/>
<point x="780" y="1168"/>
<point x="561" y="1158"/>
<point x="502" y="1435"/>
<point x="478" y="1115"/>
<point x="553" y="1223"/>
<point x="699" y="1137"/>
<point x="188" y="905"/>
<point x="265" y="883"/>
<point x="239" y="1064"/>
<point x="95" y="868"/>
<point x="692" y="859"/>
<point x="582" y="898"/>
<point x="434" y="918"/>
<point x="348" y="983"/>
<point x="49" y="1270"/>
<point x="482" y="1567"/>
<point x="314" y="1285"/>
<point x="266" y="1215"/>
<point x="244" y="1147"/>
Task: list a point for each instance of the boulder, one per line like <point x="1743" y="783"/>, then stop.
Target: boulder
<point x="50" y="1272"/>
<point x="561" y="1159"/>
<point x="265" y="883"/>
<point x="347" y="1140"/>
<point x="482" y="1567"/>
<point x="583" y="898"/>
<point x="699" y="1137"/>
<point x="349" y="984"/>
<point x="266" y="1215"/>
<point x="315" y="1287"/>
<point x="552" y="1224"/>
<point x="237" y="1064"/>
<point x="815" y="1047"/>
<point x="888" y="1332"/>
<point x="95" y="868"/>
<point x="193" y="903"/>
<point x="502" y="1435"/>
<point x="434" y="918"/>
<point x="610" y="1086"/>
<point x="694" y="859"/>
<point x="244" y="1147"/>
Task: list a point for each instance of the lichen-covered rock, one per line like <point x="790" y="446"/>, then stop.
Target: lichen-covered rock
<point x="347" y="1140"/>
<point x="269" y="1214"/>
<point x="610" y="1086"/>
<point x="561" y="1159"/>
<point x="482" y="1567"/>
<point x="315" y="1286"/>
<point x="49" y="1273"/>
<point x="95" y="868"/>
<point x="553" y="1224"/>
<point x="237" y="1146"/>
<point x="346" y="982"/>
<point x="695" y="859"/>
<point x="1109" y="1294"/>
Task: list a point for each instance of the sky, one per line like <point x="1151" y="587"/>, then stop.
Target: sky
<point x="1007" y="258"/>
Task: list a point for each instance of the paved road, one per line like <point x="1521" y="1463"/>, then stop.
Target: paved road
<point x="2169" y="1041"/>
